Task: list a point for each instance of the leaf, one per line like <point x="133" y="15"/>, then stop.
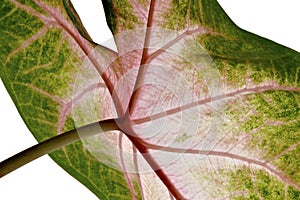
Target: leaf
<point x="41" y="54"/>
<point x="213" y="111"/>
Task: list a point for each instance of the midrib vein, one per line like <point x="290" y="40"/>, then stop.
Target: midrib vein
<point x="145" y="54"/>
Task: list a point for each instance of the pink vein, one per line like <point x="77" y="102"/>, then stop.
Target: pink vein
<point x="136" y="166"/>
<point x="28" y="42"/>
<point x="216" y="98"/>
<point x="126" y="175"/>
<point x="48" y="64"/>
<point x="54" y="98"/>
<point x="291" y="148"/>
<point x="31" y="11"/>
<point x="199" y="30"/>
<point x="142" y="70"/>
<point x="137" y="7"/>
<point x="272" y="170"/>
<point x="171" y="196"/>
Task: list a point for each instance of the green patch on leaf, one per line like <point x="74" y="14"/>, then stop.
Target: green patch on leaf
<point x="293" y="193"/>
<point x="255" y="184"/>
<point x="32" y="5"/>
<point x="120" y="14"/>
<point x="252" y="123"/>
<point x="69" y="124"/>
<point x="183" y="12"/>
<point x="275" y="139"/>
<point x="290" y="163"/>
<point x="276" y="105"/>
<point x="269" y="187"/>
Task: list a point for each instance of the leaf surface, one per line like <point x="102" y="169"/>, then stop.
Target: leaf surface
<point x="41" y="55"/>
<point x="213" y="110"/>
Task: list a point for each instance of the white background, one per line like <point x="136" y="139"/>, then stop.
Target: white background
<point x="277" y="20"/>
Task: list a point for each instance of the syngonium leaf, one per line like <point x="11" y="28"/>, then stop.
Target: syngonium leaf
<point x="174" y="93"/>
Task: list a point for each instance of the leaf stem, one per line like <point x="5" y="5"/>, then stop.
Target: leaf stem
<point x="55" y="143"/>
